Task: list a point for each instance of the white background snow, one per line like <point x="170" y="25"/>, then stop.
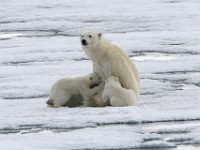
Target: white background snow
<point x="39" y="44"/>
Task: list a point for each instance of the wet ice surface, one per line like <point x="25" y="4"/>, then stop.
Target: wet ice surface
<point x="39" y="44"/>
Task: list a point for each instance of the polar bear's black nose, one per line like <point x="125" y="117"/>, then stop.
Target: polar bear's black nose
<point x="84" y="42"/>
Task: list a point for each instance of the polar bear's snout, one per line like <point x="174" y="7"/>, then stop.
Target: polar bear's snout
<point x="84" y="42"/>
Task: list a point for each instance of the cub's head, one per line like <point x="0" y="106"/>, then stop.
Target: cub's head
<point x="113" y="81"/>
<point x="94" y="79"/>
<point x="90" y="40"/>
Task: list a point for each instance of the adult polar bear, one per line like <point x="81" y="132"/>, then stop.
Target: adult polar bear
<point x="109" y="60"/>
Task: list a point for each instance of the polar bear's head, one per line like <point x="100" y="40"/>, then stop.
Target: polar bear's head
<point x="94" y="80"/>
<point x="112" y="81"/>
<point x="90" y="39"/>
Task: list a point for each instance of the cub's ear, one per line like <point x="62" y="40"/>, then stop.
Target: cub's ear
<point x="106" y="81"/>
<point x="99" y="35"/>
<point x="117" y="79"/>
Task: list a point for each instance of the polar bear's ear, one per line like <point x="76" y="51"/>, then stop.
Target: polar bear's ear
<point x="99" y="35"/>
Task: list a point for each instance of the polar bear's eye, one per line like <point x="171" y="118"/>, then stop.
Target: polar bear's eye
<point x="90" y="36"/>
<point x="90" y="78"/>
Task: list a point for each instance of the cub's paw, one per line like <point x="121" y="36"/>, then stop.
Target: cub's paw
<point x="50" y="102"/>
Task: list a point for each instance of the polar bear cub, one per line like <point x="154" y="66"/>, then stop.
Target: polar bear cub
<point x="116" y="94"/>
<point x="73" y="91"/>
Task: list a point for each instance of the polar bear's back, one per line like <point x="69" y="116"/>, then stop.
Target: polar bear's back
<point x="114" y="63"/>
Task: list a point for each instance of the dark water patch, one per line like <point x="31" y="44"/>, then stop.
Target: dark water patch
<point x="173" y="44"/>
<point x="46" y="7"/>
<point x="174" y="81"/>
<point x="171" y="1"/>
<point x="31" y="131"/>
<point x="117" y="123"/>
<point x="147" y="139"/>
<point x="3" y="39"/>
<point x="180" y="82"/>
<point x="29" y="62"/>
<point x="132" y="148"/>
<point x="156" y="145"/>
<point x="47" y="35"/>
<point x="178" y="120"/>
<point x="22" y="21"/>
<point x="38" y="33"/>
<point x="179" y="72"/>
<point x="22" y="128"/>
<point x="13" y="21"/>
<point x="40" y="30"/>
<point x="67" y="129"/>
<point x="36" y="128"/>
<point x="55" y="6"/>
<point x="158" y="55"/>
<point x="178" y="87"/>
<point x="180" y="140"/>
<point x="93" y="21"/>
<point x="147" y="93"/>
<point x="144" y="122"/>
<point x="8" y="131"/>
<point x="25" y="97"/>
<point x="197" y="84"/>
<point x="146" y="52"/>
<point x="81" y="59"/>
<point x="171" y="132"/>
<point x="28" y="126"/>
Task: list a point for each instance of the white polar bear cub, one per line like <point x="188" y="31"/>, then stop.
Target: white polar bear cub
<point x="117" y="95"/>
<point x="74" y="91"/>
<point x="109" y="60"/>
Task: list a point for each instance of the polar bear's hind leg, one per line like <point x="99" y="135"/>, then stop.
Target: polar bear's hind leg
<point x="62" y="99"/>
<point x="114" y="101"/>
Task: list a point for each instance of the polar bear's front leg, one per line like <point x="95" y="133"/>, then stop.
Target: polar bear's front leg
<point x="96" y="89"/>
<point x="87" y="95"/>
<point x="98" y="69"/>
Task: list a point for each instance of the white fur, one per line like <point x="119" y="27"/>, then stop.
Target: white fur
<point x="117" y="95"/>
<point x="79" y="87"/>
<point x="109" y="60"/>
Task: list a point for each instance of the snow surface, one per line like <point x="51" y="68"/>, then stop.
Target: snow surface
<point x="39" y="44"/>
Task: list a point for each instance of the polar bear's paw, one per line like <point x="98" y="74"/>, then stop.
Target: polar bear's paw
<point x="50" y="102"/>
